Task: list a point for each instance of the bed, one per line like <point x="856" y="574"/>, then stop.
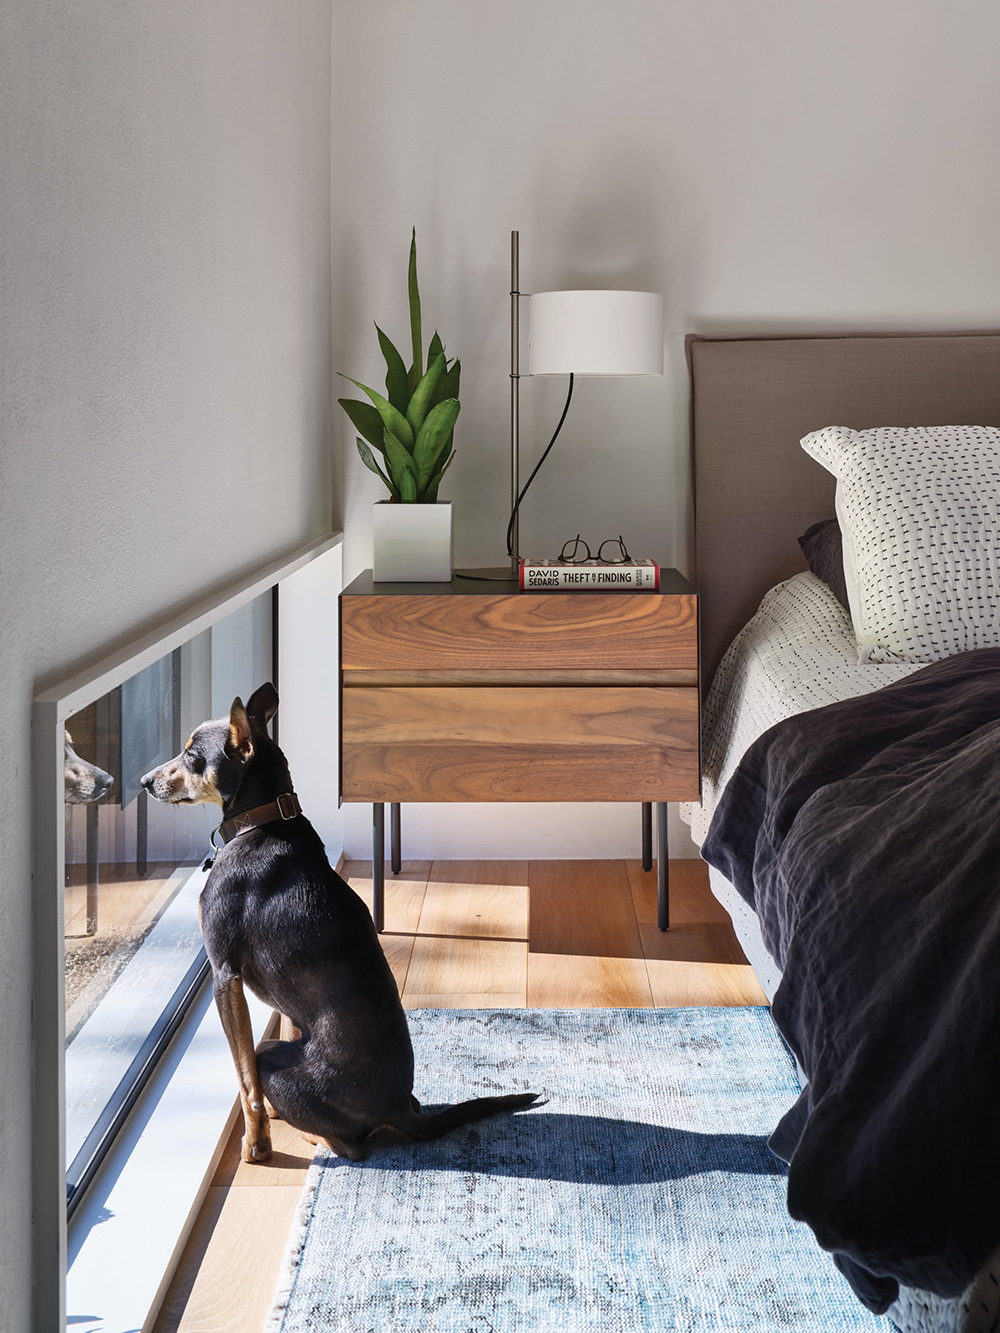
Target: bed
<point x="790" y="673"/>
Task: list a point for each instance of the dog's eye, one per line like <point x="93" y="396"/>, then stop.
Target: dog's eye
<point x="197" y="763"/>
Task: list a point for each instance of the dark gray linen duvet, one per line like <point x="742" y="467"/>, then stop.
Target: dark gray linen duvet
<point x="866" y="837"/>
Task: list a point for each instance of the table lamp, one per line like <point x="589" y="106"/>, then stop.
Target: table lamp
<point x="572" y="333"/>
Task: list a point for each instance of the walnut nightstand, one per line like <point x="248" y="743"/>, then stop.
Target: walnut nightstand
<point x="474" y="691"/>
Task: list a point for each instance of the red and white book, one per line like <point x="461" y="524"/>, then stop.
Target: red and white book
<point x="592" y="575"/>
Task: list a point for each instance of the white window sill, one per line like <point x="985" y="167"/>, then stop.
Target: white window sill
<point x="129" y="1230"/>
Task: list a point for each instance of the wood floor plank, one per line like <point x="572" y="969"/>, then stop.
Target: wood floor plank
<point x="398" y="950"/>
<point x="404" y="898"/>
<point x="510" y="1000"/>
<point x="481" y="898"/>
<point x="684" y="942"/>
<point x="691" y="899"/>
<point x="677" y="985"/>
<point x="583" y="908"/>
<point x="466" y="967"/>
<point x="404" y="893"/>
<point x="568" y="981"/>
<point x="287" y="1165"/>
<point x="230" y="1265"/>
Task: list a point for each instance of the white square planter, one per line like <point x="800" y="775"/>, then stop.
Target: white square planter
<point x="412" y="543"/>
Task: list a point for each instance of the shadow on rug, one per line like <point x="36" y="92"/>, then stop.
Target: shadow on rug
<point x="640" y="1195"/>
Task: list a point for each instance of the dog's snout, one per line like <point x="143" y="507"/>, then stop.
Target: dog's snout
<point x="153" y="782"/>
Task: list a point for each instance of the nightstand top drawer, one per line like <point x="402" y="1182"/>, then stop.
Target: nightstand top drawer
<point x="499" y="630"/>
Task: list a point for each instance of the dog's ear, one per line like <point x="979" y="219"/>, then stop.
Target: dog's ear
<point x="263" y="704"/>
<point x="240" y="743"/>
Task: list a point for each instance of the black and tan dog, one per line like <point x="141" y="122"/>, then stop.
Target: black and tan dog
<point x="276" y="916"/>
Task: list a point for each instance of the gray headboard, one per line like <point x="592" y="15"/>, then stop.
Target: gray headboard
<point x="752" y="400"/>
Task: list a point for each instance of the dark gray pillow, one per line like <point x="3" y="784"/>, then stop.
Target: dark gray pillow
<point x="823" y="549"/>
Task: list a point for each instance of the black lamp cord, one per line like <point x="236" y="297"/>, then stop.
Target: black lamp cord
<point x="524" y="488"/>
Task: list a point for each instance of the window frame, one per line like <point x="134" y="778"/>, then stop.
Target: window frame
<point x="53" y="705"/>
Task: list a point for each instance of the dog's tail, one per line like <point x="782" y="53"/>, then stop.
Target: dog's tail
<point x="423" y="1126"/>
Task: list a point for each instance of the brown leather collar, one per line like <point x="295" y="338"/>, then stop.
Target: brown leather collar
<point x="286" y="806"/>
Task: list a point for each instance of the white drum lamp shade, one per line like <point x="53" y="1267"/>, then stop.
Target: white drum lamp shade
<point x="595" y="333"/>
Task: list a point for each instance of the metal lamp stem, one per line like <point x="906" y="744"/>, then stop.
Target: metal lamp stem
<point x="504" y="573"/>
<point x="515" y="383"/>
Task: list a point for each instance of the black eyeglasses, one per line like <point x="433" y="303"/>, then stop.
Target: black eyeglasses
<point x="577" y="552"/>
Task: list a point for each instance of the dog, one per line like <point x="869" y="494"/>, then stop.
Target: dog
<point x="277" y="917"/>
<point x="83" y="783"/>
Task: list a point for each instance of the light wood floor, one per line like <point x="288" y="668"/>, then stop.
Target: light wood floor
<point x="459" y="934"/>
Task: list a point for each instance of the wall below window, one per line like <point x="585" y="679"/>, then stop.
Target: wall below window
<point x="308" y="714"/>
<point x="769" y="167"/>
<point x="165" y="344"/>
<point x="505" y="832"/>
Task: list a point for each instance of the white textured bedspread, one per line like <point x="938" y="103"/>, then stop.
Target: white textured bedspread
<point x="798" y="652"/>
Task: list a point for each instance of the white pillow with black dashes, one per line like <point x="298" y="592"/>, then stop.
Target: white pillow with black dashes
<point x="919" y="510"/>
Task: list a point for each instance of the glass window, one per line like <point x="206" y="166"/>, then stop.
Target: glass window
<point x="133" y="951"/>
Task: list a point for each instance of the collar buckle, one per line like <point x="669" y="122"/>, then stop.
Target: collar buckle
<point x="292" y="804"/>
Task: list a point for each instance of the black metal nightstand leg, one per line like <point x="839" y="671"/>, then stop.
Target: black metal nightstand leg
<point x="662" y="868"/>
<point x="378" y="866"/>
<point x="394" y="838"/>
<point x="647" y="835"/>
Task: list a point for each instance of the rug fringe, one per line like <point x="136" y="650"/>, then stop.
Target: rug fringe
<point x="296" y="1242"/>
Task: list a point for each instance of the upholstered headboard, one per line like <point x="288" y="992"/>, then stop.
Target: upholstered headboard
<point x="752" y="400"/>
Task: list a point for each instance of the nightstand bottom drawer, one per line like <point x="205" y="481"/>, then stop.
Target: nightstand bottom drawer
<point x="508" y="743"/>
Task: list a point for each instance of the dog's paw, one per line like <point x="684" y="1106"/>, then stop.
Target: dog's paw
<point x="269" y="1111"/>
<point x="258" y="1151"/>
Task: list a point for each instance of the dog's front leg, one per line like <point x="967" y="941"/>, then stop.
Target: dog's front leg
<point x="232" y="1006"/>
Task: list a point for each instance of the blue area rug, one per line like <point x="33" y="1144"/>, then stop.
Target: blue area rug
<point x="641" y="1196"/>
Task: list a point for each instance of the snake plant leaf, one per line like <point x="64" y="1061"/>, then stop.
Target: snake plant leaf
<point x="432" y="438"/>
<point x="416" y="369"/>
<point x="365" y="418"/>
<point x="392" y="419"/>
<point x="368" y="458"/>
<point x="401" y="464"/>
<point x="431" y="493"/>
<point x="436" y="348"/>
<point x="423" y="395"/>
<point x="396" y="387"/>
<point x="448" y="384"/>
<point x="443" y="455"/>
<point x="441" y="462"/>
<point x="408" y="489"/>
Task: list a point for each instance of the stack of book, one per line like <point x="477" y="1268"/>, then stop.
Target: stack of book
<point x="591" y="575"/>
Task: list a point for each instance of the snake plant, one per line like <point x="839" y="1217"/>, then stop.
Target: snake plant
<point x="411" y="426"/>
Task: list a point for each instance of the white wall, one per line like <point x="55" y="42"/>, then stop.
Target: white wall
<point x="164" y="363"/>
<point x="770" y="166"/>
